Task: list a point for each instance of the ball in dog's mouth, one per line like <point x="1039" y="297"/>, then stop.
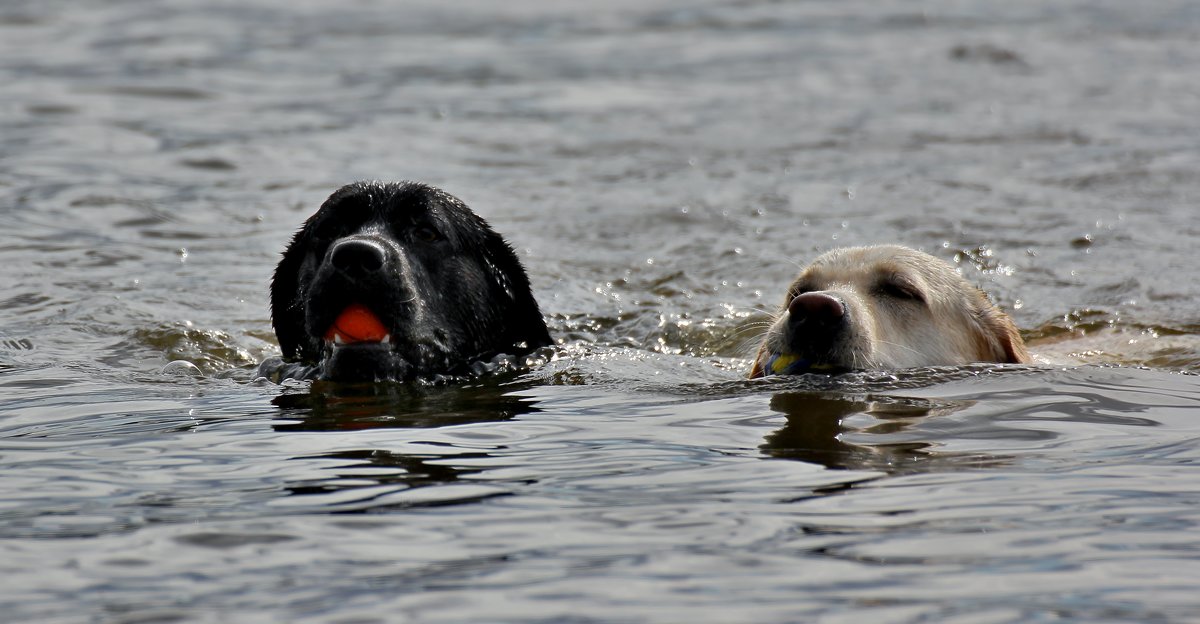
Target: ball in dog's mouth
<point x="789" y="364"/>
<point x="357" y="324"/>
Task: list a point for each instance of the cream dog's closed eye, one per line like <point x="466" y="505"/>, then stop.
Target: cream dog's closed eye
<point x="884" y="307"/>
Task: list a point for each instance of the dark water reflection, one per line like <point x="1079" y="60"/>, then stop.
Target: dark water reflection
<point x="819" y="429"/>
<point x="324" y="406"/>
<point x="362" y="477"/>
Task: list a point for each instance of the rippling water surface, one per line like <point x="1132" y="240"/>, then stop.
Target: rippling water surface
<point x="662" y="167"/>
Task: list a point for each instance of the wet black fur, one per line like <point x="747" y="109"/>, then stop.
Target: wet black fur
<point x="450" y="290"/>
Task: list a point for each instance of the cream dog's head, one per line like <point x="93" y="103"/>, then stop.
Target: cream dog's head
<point x="884" y="307"/>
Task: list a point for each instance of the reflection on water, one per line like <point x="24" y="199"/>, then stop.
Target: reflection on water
<point x="821" y="429"/>
<point x="378" y="479"/>
<point x="327" y="406"/>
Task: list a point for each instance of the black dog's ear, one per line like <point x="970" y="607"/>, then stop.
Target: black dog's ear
<point x="522" y="325"/>
<point x="287" y="302"/>
<point x="525" y="323"/>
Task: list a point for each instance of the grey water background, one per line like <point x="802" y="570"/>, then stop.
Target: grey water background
<point x="662" y="167"/>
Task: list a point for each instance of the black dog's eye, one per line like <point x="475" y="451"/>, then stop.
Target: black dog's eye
<point x="326" y="229"/>
<point x="340" y="219"/>
<point x="426" y="234"/>
<point x="900" y="288"/>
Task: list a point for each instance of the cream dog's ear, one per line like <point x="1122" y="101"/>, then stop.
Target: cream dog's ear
<point x="997" y="338"/>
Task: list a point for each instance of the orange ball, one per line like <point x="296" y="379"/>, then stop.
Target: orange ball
<point x="357" y="324"/>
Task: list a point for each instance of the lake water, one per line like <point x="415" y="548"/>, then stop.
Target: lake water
<point x="662" y="167"/>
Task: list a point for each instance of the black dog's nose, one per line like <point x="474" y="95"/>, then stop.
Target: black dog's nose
<point x="817" y="309"/>
<point x="357" y="258"/>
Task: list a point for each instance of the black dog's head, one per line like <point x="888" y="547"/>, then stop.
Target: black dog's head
<point x="395" y="281"/>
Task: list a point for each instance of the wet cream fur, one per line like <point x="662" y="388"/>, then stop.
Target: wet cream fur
<point x="953" y="323"/>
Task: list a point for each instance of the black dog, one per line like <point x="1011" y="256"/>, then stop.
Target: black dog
<point x="397" y="281"/>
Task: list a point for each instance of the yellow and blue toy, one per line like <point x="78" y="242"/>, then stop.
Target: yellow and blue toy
<point x="788" y="364"/>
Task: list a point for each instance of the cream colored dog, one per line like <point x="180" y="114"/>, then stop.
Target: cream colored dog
<point x="884" y="307"/>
